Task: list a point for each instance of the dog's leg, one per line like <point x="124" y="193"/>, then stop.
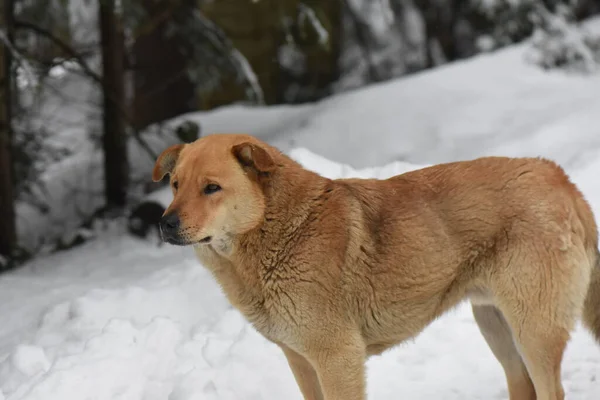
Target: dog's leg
<point x="499" y="338"/>
<point x="541" y="302"/>
<point x="305" y="375"/>
<point x="543" y="355"/>
<point x="340" y="366"/>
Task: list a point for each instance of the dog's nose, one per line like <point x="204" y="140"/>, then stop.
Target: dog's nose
<point x="170" y="223"/>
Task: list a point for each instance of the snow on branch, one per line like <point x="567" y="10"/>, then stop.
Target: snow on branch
<point x="305" y="13"/>
<point x="377" y="14"/>
<point x="560" y="43"/>
<point x="30" y="78"/>
<point x="215" y="55"/>
<point x="67" y="48"/>
<point x="254" y="90"/>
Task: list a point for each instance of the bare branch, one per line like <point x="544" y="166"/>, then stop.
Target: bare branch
<point x="62" y="45"/>
<point x="88" y="71"/>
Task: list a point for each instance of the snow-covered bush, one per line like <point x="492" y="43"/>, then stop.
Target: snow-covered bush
<point x="32" y="153"/>
<point x="213" y="53"/>
<point x="558" y="42"/>
<point x="305" y="43"/>
<point x="503" y="22"/>
<point x="381" y="40"/>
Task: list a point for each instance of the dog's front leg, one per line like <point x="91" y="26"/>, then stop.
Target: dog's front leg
<point x="305" y="374"/>
<point x="340" y="366"/>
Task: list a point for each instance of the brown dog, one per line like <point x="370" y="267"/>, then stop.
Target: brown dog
<point x="334" y="271"/>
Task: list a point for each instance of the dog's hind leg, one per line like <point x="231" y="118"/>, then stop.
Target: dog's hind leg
<point x="541" y="298"/>
<point x="499" y="338"/>
<point x="542" y="349"/>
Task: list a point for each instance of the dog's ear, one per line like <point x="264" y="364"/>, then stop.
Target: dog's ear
<point x="166" y="162"/>
<point x="253" y="155"/>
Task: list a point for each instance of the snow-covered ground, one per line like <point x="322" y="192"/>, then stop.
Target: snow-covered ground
<point x="120" y="318"/>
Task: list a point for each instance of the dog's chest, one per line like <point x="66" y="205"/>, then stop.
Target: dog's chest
<point x="269" y="313"/>
<point x="262" y="307"/>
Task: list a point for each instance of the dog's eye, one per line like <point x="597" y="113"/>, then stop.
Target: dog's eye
<point x="211" y="188"/>
<point x="175" y="185"/>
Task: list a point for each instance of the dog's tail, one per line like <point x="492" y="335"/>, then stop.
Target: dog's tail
<point x="591" y="311"/>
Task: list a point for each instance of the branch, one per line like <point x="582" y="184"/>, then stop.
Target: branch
<point x="88" y="70"/>
<point x="157" y="19"/>
<point x="16" y="55"/>
<point x="62" y="45"/>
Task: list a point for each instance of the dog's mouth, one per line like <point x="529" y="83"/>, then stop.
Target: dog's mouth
<point x="178" y="240"/>
<point x="206" y="240"/>
<point x="182" y="242"/>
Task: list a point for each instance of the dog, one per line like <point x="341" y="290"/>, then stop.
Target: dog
<point x="336" y="271"/>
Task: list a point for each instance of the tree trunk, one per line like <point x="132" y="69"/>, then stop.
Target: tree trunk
<point x="8" y="236"/>
<point x="440" y="22"/>
<point x="116" y="167"/>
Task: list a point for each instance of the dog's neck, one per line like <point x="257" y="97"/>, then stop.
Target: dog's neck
<point x="290" y="196"/>
<point x="243" y="263"/>
<point x="288" y="207"/>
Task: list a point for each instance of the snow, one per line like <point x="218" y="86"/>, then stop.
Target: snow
<point x="120" y="318"/>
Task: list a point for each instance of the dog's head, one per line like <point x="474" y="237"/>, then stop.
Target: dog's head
<point x="216" y="187"/>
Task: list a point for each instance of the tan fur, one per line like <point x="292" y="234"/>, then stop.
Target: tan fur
<point x="335" y="271"/>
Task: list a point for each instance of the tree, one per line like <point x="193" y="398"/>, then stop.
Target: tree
<point x="161" y="85"/>
<point x="114" y="138"/>
<point x="8" y="235"/>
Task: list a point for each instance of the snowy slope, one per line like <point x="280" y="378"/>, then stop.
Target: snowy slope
<point x="123" y="319"/>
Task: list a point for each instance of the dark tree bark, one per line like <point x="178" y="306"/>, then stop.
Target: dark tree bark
<point x="586" y="8"/>
<point x="440" y="24"/>
<point x="8" y="236"/>
<point x="114" y="138"/>
<point x="162" y="89"/>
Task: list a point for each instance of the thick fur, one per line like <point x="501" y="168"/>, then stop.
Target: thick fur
<point x="334" y="271"/>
